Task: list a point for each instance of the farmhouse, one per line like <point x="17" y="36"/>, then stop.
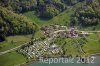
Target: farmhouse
<point x="83" y="34"/>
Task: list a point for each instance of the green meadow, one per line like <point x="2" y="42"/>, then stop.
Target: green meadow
<point x="60" y="19"/>
<point x="14" y="41"/>
<point x="11" y="59"/>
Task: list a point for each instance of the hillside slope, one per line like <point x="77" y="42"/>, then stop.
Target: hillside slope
<point x="12" y="24"/>
<point x="88" y="15"/>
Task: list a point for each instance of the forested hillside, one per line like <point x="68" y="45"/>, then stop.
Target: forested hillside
<point x="44" y="8"/>
<point x="88" y="15"/>
<point x="14" y="24"/>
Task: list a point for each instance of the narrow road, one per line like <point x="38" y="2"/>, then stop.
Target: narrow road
<point x="92" y="39"/>
<point x="1" y="53"/>
<point x="77" y="30"/>
<point x="91" y="31"/>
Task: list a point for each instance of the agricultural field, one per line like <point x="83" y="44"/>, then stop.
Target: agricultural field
<point x="14" y="41"/>
<point x="93" y="44"/>
<point x="90" y="44"/>
<point x="11" y="59"/>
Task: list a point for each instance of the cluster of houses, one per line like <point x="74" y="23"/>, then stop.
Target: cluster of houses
<point x="48" y="30"/>
<point x="38" y="49"/>
<point x="63" y="31"/>
<point x="84" y="34"/>
<point x="68" y="33"/>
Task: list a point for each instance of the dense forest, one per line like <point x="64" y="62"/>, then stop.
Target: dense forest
<point x="88" y="15"/>
<point x="44" y="8"/>
<point x="14" y="24"/>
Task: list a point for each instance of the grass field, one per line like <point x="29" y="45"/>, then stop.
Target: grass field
<point x="39" y="34"/>
<point x="11" y="59"/>
<point x="93" y="44"/>
<point x="60" y="19"/>
<point x="68" y="45"/>
<point x="17" y="40"/>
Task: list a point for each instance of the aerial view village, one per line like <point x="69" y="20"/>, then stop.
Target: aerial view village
<point x="34" y="32"/>
<point x="48" y="47"/>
